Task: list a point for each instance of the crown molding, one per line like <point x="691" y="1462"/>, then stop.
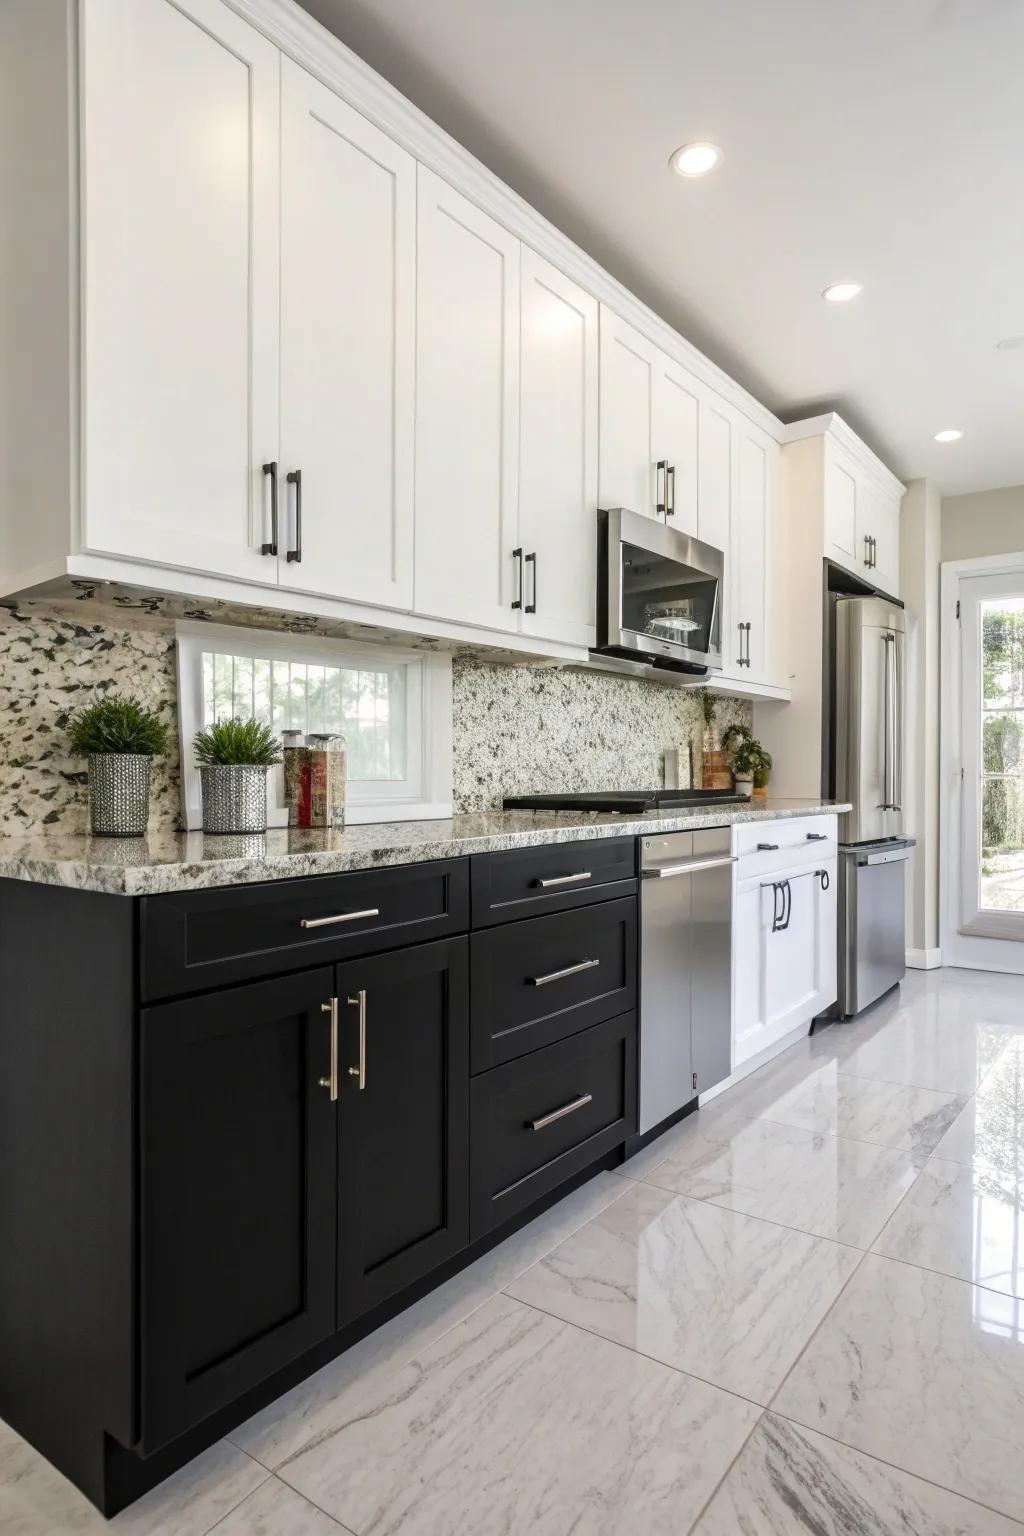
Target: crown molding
<point x="832" y="426"/>
<point x="303" y="39"/>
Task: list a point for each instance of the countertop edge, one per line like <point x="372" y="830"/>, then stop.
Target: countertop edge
<point x="85" y="869"/>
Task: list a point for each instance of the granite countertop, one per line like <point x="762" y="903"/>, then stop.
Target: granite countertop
<point x="147" y="866"/>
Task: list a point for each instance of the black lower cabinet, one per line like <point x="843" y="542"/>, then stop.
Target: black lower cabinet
<point x="238" y="1186"/>
<point x="403" y="1122"/>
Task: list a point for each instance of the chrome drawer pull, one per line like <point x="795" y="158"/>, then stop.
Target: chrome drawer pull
<point x="359" y="1001"/>
<point x="563" y="879"/>
<point x="668" y="871"/>
<point x="342" y="917"/>
<point x="557" y="1114"/>
<point x="570" y="970"/>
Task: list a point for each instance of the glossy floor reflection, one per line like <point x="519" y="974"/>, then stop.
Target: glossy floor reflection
<point x="799" y="1313"/>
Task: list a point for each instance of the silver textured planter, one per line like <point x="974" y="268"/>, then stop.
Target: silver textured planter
<point x="234" y="797"/>
<point x="119" y="793"/>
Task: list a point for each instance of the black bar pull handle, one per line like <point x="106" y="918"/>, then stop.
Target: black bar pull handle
<point x="659" y="494"/>
<point x="271" y="470"/>
<point x="670" y="490"/>
<point x="531" y="606"/>
<point x="517" y="556"/>
<point x="767" y="847"/>
<point x="817" y="837"/>
<point x="295" y="478"/>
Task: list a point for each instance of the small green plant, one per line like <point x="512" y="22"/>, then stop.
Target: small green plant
<point x="237" y="742"/>
<point x="119" y="724"/>
<point x="733" y="735"/>
<point x="707" y="702"/>
<point x="751" y="760"/>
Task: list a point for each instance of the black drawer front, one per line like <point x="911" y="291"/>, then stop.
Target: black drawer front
<point x="193" y="940"/>
<point x="540" y="981"/>
<point x="527" y="882"/>
<point x="521" y="1147"/>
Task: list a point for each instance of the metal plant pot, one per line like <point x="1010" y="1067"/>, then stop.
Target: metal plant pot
<point x="234" y="797"/>
<point x="119" y="793"/>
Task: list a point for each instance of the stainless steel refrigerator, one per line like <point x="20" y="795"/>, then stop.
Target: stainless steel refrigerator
<point x="869" y="690"/>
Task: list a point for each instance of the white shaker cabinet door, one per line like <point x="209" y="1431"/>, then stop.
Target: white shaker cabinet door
<point x="180" y="128"/>
<point x="467" y="426"/>
<point x="843" y="513"/>
<point x="629" y="372"/>
<point x="753" y="550"/>
<point x="715" y="490"/>
<point x="558" y="455"/>
<point x="348" y="302"/>
<point x="784" y="955"/>
<point x="676" y="410"/>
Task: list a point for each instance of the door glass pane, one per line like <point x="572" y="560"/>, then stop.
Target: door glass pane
<point x="1002" y="755"/>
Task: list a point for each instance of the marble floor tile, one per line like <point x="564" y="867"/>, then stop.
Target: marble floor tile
<point x="277" y="1510"/>
<point x="963" y="1221"/>
<point x="516" y="1424"/>
<point x="925" y="1372"/>
<point x="788" y="1481"/>
<point x="36" y="1500"/>
<point x="287" y="1424"/>
<point x="723" y="1296"/>
<point x="825" y="1185"/>
<point x="927" y="1045"/>
<point x="990" y="1130"/>
<point x="820" y="1096"/>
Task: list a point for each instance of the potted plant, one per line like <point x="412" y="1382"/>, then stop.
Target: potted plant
<point x="119" y="737"/>
<point x="752" y="765"/>
<point x="715" y="772"/>
<point x="233" y="757"/>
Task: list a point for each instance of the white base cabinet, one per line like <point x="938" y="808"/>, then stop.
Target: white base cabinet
<point x="784" y="931"/>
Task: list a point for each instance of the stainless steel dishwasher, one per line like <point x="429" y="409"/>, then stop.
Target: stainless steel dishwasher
<point x="685" y="969"/>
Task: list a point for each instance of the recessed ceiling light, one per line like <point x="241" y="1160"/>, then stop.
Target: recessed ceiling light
<point x="841" y="293"/>
<point x="1010" y="344"/>
<point x="948" y="435"/>
<point x="695" y="159"/>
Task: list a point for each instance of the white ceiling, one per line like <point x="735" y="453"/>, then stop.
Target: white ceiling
<point x="879" y="140"/>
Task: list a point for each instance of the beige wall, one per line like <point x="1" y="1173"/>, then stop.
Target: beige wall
<point x="921" y="550"/>
<point x="983" y="523"/>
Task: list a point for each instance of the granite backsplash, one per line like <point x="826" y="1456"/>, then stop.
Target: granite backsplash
<point x="517" y="728"/>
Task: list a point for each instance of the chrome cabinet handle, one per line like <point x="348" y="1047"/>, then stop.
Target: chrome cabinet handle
<point x="339" y="917"/>
<point x="531" y="607"/>
<point x="670" y="490"/>
<point x="517" y="556"/>
<point x="331" y="1082"/>
<point x="558" y="1114"/>
<point x="271" y="470"/>
<point x="748" y="642"/>
<point x="359" y="1001"/>
<point x="569" y="970"/>
<point x="740" y="662"/>
<point x="874" y="552"/>
<point x="295" y="478"/>
<point x="692" y="867"/>
<point x="660" y="501"/>
<point x="584" y="874"/>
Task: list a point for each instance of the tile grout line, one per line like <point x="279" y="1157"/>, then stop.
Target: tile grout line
<point x="235" y="1507"/>
<point x="721" y="1481"/>
<point x="821" y="1323"/>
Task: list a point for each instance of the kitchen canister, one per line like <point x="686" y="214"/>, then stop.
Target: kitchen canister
<point x="315" y="780"/>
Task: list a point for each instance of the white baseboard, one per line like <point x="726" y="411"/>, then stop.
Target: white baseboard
<point x="924" y="959"/>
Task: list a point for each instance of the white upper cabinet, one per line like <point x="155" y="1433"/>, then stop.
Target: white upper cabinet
<point x="180" y="124"/>
<point x="558" y="455"/>
<point x="348" y="358"/>
<point x="862" y="504"/>
<point x="467" y="431"/>
<point x="753" y="545"/>
<point x="649" y="428"/>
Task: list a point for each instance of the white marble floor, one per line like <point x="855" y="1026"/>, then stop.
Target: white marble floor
<point x="801" y="1311"/>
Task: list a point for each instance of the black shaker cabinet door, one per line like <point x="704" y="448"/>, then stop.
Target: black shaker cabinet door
<point x="238" y="1171"/>
<point x="404" y="1122"/>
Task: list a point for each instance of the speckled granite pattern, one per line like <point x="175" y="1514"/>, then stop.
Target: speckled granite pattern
<point x="521" y="728"/>
<point x="191" y="861"/>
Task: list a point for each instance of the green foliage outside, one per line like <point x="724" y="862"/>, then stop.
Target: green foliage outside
<point x="237" y="742"/>
<point x="120" y="724"/>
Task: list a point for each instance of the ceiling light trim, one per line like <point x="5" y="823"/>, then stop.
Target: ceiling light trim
<point x="704" y="156"/>
<point x="842" y="292"/>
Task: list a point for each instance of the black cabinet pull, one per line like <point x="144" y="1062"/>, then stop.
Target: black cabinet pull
<point x="531" y="560"/>
<point x="748" y="642"/>
<point x="271" y="470"/>
<point x="660" y="496"/>
<point x="517" y="556"/>
<point x="874" y="552"/>
<point x="817" y="837"/>
<point x="823" y="877"/>
<point x="295" y="478"/>
<point x="767" y="847"/>
<point x="782" y="909"/>
<point x="670" y="490"/>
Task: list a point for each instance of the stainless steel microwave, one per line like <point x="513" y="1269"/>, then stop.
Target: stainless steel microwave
<point x="659" y="594"/>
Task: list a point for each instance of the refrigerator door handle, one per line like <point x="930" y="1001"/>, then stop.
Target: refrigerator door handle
<point x="899" y="684"/>
<point x="884" y="803"/>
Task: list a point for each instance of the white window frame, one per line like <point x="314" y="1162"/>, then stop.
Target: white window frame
<point x="426" y="794"/>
